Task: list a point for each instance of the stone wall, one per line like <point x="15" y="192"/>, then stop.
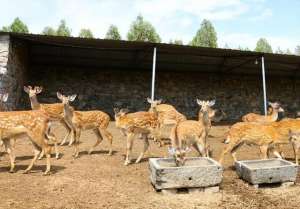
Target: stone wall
<point x="105" y="89"/>
<point x="13" y="64"/>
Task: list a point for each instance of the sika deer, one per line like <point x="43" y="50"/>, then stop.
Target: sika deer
<point x="34" y="124"/>
<point x="133" y="124"/>
<point x="95" y="120"/>
<point x="252" y="117"/>
<point x="168" y="117"/>
<point x="266" y="136"/>
<point x="55" y="110"/>
<point x="192" y="133"/>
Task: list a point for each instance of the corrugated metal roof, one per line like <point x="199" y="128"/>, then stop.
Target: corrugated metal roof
<point x="100" y="53"/>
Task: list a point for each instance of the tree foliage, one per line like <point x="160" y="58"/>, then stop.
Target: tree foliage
<point x="262" y="45"/>
<point x="85" y="33"/>
<point x="17" y="26"/>
<point x="49" y="31"/>
<point x="206" y="36"/>
<point x="113" y="33"/>
<point x="63" y="30"/>
<point x="141" y="30"/>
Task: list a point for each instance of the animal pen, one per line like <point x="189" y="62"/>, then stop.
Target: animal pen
<point x="109" y="73"/>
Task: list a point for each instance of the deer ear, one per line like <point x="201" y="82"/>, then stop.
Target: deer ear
<point x="212" y="103"/>
<point x="59" y="95"/>
<point x="26" y="89"/>
<point x="199" y="102"/>
<point x="72" y="97"/>
<point x="5" y="97"/>
<point x="124" y="110"/>
<point x="149" y="100"/>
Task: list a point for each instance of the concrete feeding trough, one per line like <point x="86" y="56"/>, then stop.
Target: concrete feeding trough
<point x="268" y="171"/>
<point x="198" y="174"/>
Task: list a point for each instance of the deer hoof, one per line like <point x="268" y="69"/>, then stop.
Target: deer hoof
<point x="127" y="162"/>
<point x="26" y="172"/>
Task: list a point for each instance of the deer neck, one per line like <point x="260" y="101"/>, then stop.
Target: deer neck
<point x="204" y="118"/>
<point x="68" y="113"/>
<point x="35" y="105"/>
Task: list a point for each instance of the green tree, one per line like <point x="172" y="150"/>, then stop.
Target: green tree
<point x="49" y="31"/>
<point x="176" y="41"/>
<point x="297" y="50"/>
<point x="262" y="45"/>
<point x="206" y="36"/>
<point x="86" y="33"/>
<point x="17" y="26"/>
<point x="113" y="33"/>
<point x="141" y="30"/>
<point x="63" y="30"/>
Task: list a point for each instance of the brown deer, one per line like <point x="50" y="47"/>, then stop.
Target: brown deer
<point x="252" y="117"/>
<point x="33" y="124"/>
<point x="55" y="110"/>
<point x="267" y="136"/>
<point x="134" y="124"/>
<point x="192" y="133"/>
<point x="95" y="120"/>
<point x="168" y="117"/>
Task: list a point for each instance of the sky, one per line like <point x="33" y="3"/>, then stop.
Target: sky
<point x="237" y="22"/>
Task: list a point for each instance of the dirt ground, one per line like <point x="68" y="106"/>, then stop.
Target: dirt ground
<point x="102" y="181"/>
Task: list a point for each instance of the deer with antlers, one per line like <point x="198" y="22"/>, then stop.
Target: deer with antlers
<point x="33" y="124"/>
<point x="273" y="116"/>
<point x="133" y="124"/>
<point x="192" y="133"/>
<point x="95" y="120"/>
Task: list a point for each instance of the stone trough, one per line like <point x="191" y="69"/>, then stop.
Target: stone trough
<point x="268" y="171"/>
<point x="198" y="174"/>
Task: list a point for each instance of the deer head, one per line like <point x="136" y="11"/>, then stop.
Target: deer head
<point x="276" y="106"/>
<point x="120" y="112"/>
<point x="66" y="99"/>
<point x="179" y="155"/>
<point x="205" y="105"/>
<point x="294" y="136"/>
<point x="33" y="91"/>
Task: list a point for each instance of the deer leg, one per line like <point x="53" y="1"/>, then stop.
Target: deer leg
<point x="10" y="153"/>
<point x="146" y="146"/>
<point x="264" y="151"/>
<point x="51" y="137"/>
<point x="68" y="131"/>
<point x="99" y="140"/>
<point x="37" y="151"/>
<point x="109" y="137"/>
<point x="77" y="133"/>
<point x="130" y="139"/>
<point x="296" y="147"/>
<point x="47" y="149"/>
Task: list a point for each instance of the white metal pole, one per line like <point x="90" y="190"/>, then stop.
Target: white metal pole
<point x="264" y="83"/>
<point x="153" y="73"/>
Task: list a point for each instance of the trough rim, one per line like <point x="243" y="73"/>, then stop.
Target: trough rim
<point x="243" y="163"/>
<point x="153" y="161"/>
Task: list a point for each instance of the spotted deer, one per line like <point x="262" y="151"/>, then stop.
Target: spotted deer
<point x="168" y="117"/>
<point x="95" y="120"/>
<point x="267" y="136"/>
<point x="55" y="110"/>
<point x="192" y="133"/>
<point x="134" y="124"/>
<point x="273" y="116"/>
<point x="33" y="124"/>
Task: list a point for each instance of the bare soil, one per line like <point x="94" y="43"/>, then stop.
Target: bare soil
<point x="102" y="181"/>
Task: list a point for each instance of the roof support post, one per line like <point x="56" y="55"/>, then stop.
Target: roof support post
<point x="264" y="83"/>
<point x="153" y="74"/>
